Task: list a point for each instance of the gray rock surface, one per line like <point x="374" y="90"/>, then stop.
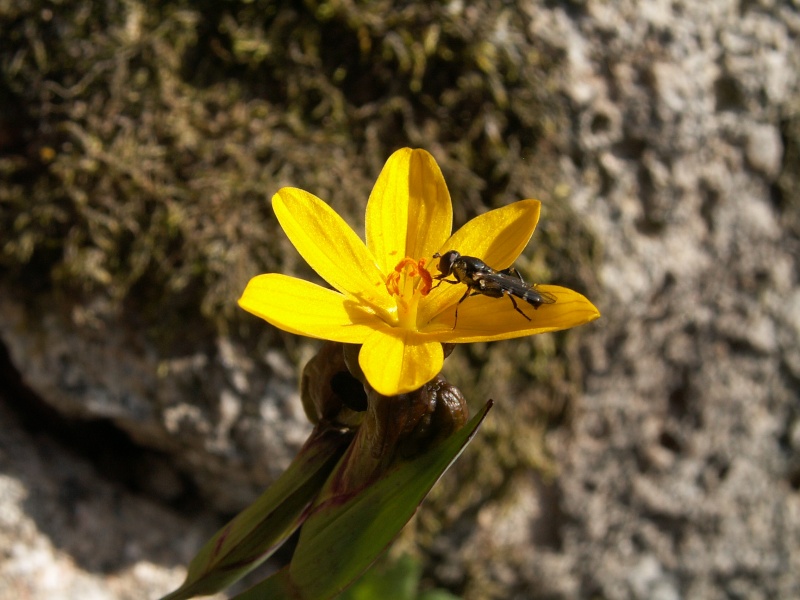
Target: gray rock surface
<point x="678" y="471"/>
<point x="678" y="477"/>
<point x="67" y="532"/>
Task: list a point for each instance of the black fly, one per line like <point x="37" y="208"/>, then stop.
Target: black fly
<point x="480" y="278"/>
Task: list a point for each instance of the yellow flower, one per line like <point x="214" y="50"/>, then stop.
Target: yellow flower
<point x="382" y="297"/>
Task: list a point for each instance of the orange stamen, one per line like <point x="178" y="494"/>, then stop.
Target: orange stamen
<point x="410" y="269"/>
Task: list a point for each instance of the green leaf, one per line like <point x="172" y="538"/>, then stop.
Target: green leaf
<point x="396" y="580"/>
<point x="343" y="536"/>
<point x="255" y="533"/>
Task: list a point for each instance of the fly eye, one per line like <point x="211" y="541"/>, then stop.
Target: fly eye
<point x="446" y="261"/>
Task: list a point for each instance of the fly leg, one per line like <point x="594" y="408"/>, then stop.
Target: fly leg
<point x="517" y="308"/>
<point x="464" y="297"/>
<point x="513" y="272"/>
<point x="441" y="279"/>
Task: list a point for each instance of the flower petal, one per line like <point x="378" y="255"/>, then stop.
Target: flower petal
<point x="481" y="318"/>
<point x="499" y="236"/>
<point x="330" y="246"/>
<point x="409" y="212"/>
<point x="496" y="237"/>
<point x="304" y="308"/>
<point x="399" y="361"/>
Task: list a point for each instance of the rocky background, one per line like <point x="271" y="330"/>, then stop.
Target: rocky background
<point x="654" y="453"/>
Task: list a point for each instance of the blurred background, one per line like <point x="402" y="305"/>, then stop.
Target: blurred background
<point x="654" y="453"/>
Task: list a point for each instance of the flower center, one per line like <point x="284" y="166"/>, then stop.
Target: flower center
<point x="409" y="282"/>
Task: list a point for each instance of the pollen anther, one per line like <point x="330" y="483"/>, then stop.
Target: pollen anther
<point x="409" y="269"/>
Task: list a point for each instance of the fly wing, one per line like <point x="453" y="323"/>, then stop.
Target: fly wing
<point x="507" y="283"/>
<point x="546" y="297"/>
